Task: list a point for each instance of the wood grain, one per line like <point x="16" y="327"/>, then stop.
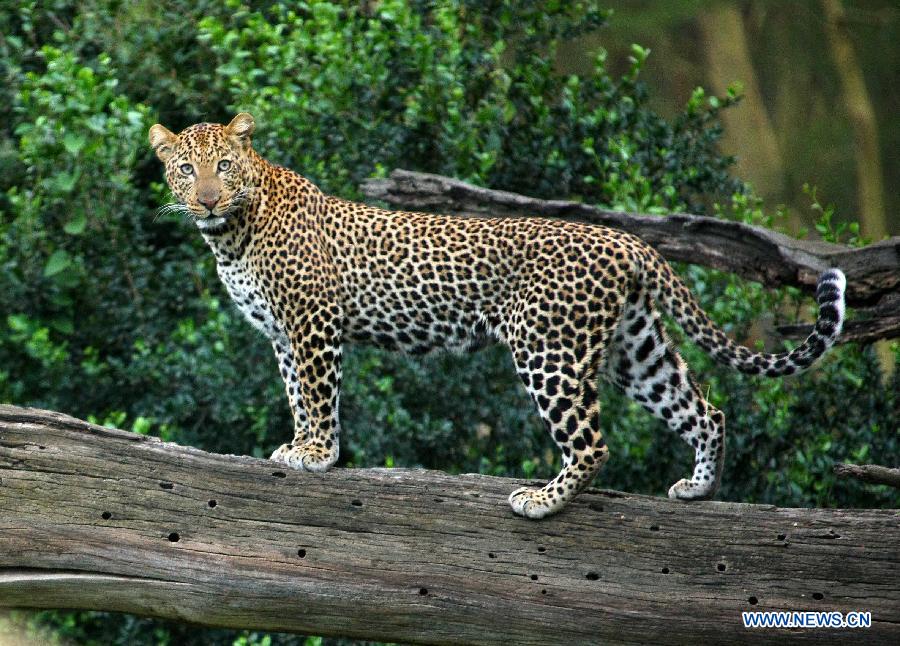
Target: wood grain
<point x="103" y="519"/>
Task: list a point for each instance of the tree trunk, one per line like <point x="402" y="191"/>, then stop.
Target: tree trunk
<point x="102" y="519"/>
<point x="869" y="176"/>
<point x="749" y="134"/>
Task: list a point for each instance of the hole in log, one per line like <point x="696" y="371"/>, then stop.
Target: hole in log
<point x="476" y="495"/>
<point x="721" y="567"/>
<point x="423" y="591"/>
<point x="491" y="555"/>
<point x="595" y="506"/>
<point x="543" y="592"/>
<point x="439" y="500"/>
<point x="753" y="601"/>
<point x="279" y="474"/>
<point x="174" y="537"/>
<point x="818" y="596"/>
<point x="106" y="515"/>
<point x="542" y="549"/>
<point x="212" y="503"/>
<point x="654" y="528"/>
<point x="42" y="447"/>
<point x="301" y="553"/>
<point x="534" y="577"/>
<point x="665" y="570"/>
<point x="832" y="534"/>
<point x="356" y="502"/>
<point x="166" y="485"/>
<point x="781" y="537"/>
<point x="592" y="576"/>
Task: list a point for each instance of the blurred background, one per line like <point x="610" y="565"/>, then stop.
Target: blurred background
<point x="779" y="114"/>
<point x="819" y="80"/>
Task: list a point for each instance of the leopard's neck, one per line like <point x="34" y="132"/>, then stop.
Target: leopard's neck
<point x="266" y="213"/>
<point x="230" y="242"/>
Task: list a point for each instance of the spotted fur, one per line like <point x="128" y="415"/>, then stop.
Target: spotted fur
<point x="572" y="302"/>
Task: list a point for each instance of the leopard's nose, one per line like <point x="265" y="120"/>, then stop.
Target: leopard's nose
<point x="209" y="201"/>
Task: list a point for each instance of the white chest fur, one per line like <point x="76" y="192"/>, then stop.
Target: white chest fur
<point x="246" y="293"/>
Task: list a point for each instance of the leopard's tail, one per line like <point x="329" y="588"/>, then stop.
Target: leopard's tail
<point x="675" y="298"/>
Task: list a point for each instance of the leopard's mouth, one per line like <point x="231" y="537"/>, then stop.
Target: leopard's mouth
<point x="210" y="223"/>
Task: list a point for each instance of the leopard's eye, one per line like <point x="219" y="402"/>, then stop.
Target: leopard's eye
<point x="224" y="165"/>
<point x="187" y="169"/>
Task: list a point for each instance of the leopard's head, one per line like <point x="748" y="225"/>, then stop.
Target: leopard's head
<point x="209" y="168"/>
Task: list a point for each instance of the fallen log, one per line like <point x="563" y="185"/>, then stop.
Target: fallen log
<point x="753" y="252"/>
<point x="103" y="519"/>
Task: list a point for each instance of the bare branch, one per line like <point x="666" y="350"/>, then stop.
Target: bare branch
<point x="871" y="473"/>
<point x="862" y="331"/>
<point x="869" y="324"/>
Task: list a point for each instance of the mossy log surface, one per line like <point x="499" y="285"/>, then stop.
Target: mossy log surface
<point x="103" y="519"/>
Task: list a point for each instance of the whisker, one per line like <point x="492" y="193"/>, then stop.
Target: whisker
<point x="238" y="201"/>
<point x="170" y="209"/>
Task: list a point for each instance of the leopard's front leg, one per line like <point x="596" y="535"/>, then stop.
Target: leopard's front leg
<point x="287" y="367"/>
<point x="316" y="351"/>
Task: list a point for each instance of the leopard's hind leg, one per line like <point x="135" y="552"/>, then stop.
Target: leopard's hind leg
<point x="560" y="372"/>
<point x="650" y="372"/>
<point x="569" y="409"/>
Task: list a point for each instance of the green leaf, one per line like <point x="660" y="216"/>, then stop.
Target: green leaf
<point x="64" y="325"/>
<point x="17" y="322"/>
<point x="73" y="143"/>
<point x="65" y="182"/>
<point x="59" y="260"/>
<point x="76" y="225"/>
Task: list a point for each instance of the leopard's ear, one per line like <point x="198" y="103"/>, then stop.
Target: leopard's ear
<point x="163" y="142"/>
<point x="241" y="127"/>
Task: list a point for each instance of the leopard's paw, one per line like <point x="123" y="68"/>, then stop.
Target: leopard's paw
<point x="305" y="457"/>
<point x="532" y="503"/>
<point x="686" y="489"/>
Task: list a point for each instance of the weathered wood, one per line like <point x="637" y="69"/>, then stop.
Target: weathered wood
<point x="856" y="331"/>
<point x="871" y="473"/>
<point x="104" y="519"/>
<point x="868" y="325"/>
<point x="756" y="253"/>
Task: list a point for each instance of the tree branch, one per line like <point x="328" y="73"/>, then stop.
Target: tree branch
<point x="870" y="324"/>
<point x="755" y="253"/>
<point x="96" y="518"/>
<point x="871" y="473"/>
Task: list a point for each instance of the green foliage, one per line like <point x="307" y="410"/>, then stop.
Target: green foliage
<point x="113" y="314"/>
<point x="458" y="88"/>
<point x="846" y="232"/>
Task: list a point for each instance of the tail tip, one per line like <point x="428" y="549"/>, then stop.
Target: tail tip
<point x="834" y="276"/>
<point x="830" y="296"/>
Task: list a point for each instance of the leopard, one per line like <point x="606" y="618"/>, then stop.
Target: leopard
<point x="574" y="303"/>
